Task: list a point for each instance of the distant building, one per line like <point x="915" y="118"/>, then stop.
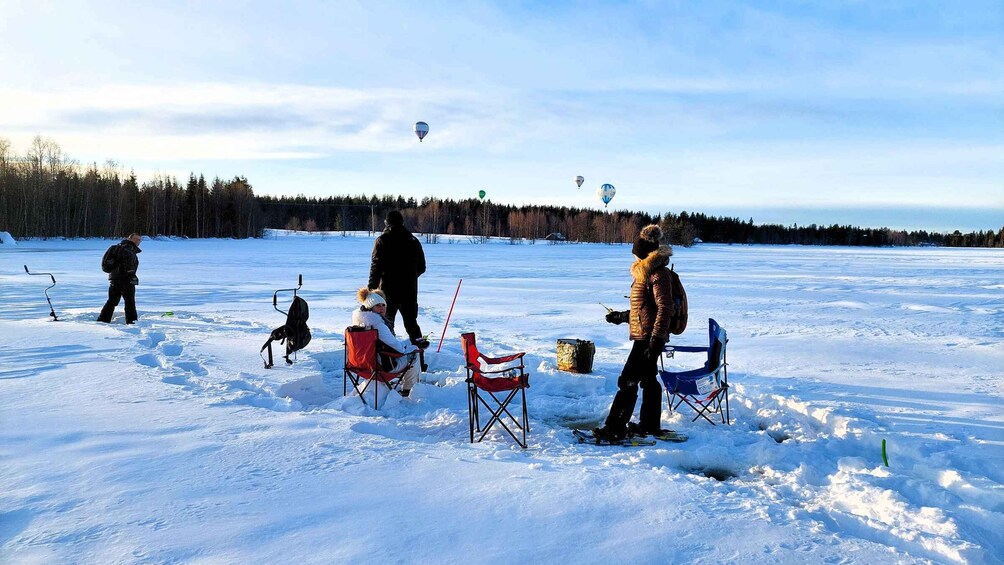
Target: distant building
<point x="556" y="236"/>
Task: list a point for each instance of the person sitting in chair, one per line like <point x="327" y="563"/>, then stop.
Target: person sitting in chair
<point x="371" y="315"/>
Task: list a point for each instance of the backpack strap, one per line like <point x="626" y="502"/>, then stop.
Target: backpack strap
<point x="277" y="334"/>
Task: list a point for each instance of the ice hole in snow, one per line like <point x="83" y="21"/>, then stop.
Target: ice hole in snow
<point x="720" y="474"/>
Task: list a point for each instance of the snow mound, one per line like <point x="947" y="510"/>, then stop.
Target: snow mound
<point x="6" y="239"/>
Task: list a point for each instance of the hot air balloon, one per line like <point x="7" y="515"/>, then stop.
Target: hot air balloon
<point x="579" y="180"/>
<point x="606" y="193"/>
<point x="421" y="130"/>
<point x="482" y="194"/>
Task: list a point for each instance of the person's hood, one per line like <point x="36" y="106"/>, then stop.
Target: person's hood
<point x="133" y="245"/>
<point x="641" y="269"/>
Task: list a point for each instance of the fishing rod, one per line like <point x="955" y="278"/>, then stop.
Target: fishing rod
<point x="52" y="311"/>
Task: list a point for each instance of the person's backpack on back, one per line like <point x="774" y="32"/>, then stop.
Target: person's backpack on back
<point x="110" y="260"/>
<point x="294" y="332"/>
<point x="678" y="318"/>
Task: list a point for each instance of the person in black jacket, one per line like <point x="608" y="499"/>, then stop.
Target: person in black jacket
<point x="397" y="262"/>
<point x="122" y="280"/>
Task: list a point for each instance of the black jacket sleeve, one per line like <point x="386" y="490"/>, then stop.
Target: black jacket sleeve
<point x="376" y="265"/>
<point x="419" y="258"/>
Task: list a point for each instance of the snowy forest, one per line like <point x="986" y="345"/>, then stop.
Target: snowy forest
<point x="46" y="194"/>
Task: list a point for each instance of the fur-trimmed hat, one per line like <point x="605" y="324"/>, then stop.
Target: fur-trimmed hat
<point x="648" y="241"/>
<point x="394" y="218"/>
<point x="370" y="298"/>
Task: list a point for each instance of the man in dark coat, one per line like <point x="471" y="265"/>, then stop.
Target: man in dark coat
<point x="397" y="262"/>
<point x="122" y="279"/>
<point x="651" y="309"/>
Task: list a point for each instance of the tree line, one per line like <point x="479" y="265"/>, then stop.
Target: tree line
<point x="44" y="194"/>
<point x="474" y="218"/>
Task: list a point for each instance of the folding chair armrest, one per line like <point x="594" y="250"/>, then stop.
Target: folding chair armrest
<point x="473" y="367"/>
<point x="686" y="348"/>
<point x="692" y="374"/>
<point x="504" y="358"/>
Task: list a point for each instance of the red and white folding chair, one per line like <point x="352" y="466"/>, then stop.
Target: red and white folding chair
<point x="512" y="380"/>
<point x="363" y="367"/>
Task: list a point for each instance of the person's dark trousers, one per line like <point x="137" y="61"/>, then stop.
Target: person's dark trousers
<point x="116" y="291"/>
<point x="409" y="315"/>
<point x="639" y="368"/>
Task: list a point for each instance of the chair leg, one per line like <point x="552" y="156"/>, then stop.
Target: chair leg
<point x="471" y="409"/>
<point x="728" y="417"/>
<point x="710" y="405"/>
<point x="725" y="387"/>
<point x="497" y="417"/>
<point x="679" y="402"/>
<point x="496" y="414"/>
<point x="700" y="408"/>
<point x="526" y="417"/>
<point x="355" y="386"/>
<point x="477" y="410"/>
<point x="505" y="407"/>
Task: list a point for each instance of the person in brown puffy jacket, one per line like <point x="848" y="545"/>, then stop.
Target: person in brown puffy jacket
<point x="651" y="308"/>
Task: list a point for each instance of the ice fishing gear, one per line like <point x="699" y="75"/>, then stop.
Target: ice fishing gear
<point x="52" y="311"/>
<point x="294" y="332"/>
<point x="575" y="355"/>
<point x="441" y="337"/>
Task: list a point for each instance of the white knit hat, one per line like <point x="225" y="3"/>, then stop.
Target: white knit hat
<point x="370" y="298"/>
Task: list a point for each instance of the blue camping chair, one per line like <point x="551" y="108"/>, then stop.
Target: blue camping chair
<point x="702" y="389"/>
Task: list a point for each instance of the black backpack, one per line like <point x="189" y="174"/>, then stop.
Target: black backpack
<point x="294" y="332"/>
<point x="679" y="315"/>
<point x="110" y="260"/>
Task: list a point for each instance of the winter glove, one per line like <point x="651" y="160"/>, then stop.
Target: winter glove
<point x="655" y="346"/>
<point x="617" y="317"/>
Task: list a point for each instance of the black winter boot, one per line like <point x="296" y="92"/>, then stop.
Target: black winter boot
<point x="606" y="433"/>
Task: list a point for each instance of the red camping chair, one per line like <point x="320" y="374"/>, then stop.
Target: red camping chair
<point x="362" y="364"/>
<point x="481" y="387"/>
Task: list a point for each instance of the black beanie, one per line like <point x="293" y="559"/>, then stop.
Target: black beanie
<point x="394" y="218"/>
<point x="648" y="241"/>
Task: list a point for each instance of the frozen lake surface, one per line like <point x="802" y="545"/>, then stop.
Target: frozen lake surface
<point x="168" y="442"/>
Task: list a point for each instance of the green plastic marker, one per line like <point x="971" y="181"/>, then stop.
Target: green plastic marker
<point x="885" y="458"/>
<point x="167" y="314"/>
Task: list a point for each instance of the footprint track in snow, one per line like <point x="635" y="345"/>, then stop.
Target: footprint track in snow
<point x="193" y="367"/>
<point x="172" y="349"/>
<point x="150" y="360"/>
<point x="152" y="339"/>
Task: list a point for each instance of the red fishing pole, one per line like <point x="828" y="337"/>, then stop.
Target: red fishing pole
<point x="443" y="335"/>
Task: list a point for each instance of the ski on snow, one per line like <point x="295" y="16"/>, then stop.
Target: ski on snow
<point x="634" y="441"/>
<point x="586" y="437"/>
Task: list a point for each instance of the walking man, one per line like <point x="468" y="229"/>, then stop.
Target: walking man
<point x="396" y="264"/>
<point x="121" y="263"/>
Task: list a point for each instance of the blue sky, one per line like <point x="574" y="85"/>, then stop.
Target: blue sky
<point x="870" y="113"/>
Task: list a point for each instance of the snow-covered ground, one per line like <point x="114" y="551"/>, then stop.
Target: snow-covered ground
<point x="168" y="442"/>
